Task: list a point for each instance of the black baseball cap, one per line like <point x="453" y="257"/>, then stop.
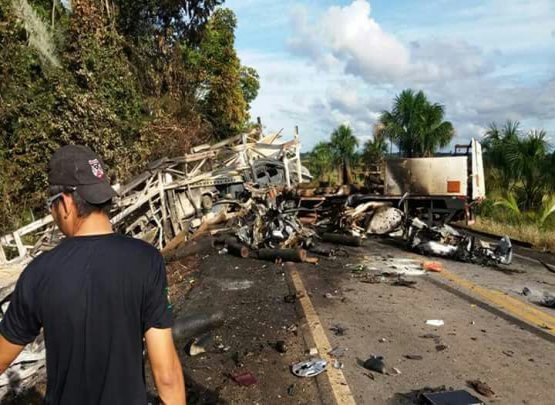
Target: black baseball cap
<point x="78" y="166"/>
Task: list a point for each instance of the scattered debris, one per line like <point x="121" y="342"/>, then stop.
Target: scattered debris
<point x="337" y="352"/>
<point x="196" y="324"/>
<point x="200" y="345"/>
<point x="436" y="267"/>
<point x="431" y="336"/>
<point x="291" y="390"/>
<point x="447" y="242"/>
<point x="413" y="357"/>
<point x="338" y="330"/>
<point x="313" y="351"/>
<point x="285" y="255"/>
<point x="292" y="328"/>
<point x="542" y="298"/>
<point x="337" y="364"/>
<point x="401" y="282"/>
<point x="375" y="363"/>
<point x="309" y="368"/>
<point x="459" y="397"/>
<point x="481" y="388"/>
<point x="435" y="322"/>
<point x="281" y="346"/>
<point x="290" y="298"/>
<point x="342" y="239"/>
<point x="244" y="379"/>
<point x="441" y="347"/>
<point x="396" y="370"/>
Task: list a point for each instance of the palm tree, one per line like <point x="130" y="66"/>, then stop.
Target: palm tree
<point x="527" y="158"/>
<point x="344" y="145"/>
<point x="374" y="149"/>
<point x="519" y="164"/>
<point x="496" y="143"/>
<point x="321" y="159"/>
<point x="416" y="126"/>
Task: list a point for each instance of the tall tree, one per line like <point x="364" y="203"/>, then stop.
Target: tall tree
<point x="344" y="145"/>
<point x="521" y="166"/>
<point x="226" y="86"/>
<point x="169" y="20"/>
<point x="374" y="149"/>
<point x="496" y="143"/>
<point x="320" y="160"/>
<point x="528" y="158"/>
<point x="417" y="126"/>
<point x="134" y="80"/>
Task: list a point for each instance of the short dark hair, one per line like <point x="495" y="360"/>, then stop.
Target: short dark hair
<point x="84" y="208"/>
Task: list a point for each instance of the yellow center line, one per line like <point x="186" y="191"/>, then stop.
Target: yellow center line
<point x="514" y="306"/>
<point x="341" y="391"/>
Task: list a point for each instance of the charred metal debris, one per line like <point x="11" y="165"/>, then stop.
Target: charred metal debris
<point x="246" y="196"/>
<point x="249" y="189"/>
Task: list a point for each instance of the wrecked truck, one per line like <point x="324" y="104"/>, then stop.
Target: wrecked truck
<point x="437" y="189"/>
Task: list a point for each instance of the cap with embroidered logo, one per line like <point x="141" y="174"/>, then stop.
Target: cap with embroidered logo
<point x="78" y="166"/>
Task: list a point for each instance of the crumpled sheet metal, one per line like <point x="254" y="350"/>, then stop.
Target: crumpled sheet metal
<point x="272" y="225"/>
<point x="445" y="241"/>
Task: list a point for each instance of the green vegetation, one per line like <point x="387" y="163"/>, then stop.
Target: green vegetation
<point x="416" y="126"/>
<point x="133" y="80"/>
<point x="520" y="177"/>
<point x="334" y="159"/>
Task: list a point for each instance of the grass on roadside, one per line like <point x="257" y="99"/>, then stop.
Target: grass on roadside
<point x="541" y="239"/>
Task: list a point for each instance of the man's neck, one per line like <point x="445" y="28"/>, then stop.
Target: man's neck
<point x="94" y="224"/>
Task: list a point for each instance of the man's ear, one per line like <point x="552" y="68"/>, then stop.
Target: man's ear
<point x="67" y="205"/>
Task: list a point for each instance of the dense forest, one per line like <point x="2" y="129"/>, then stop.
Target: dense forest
<point x="133" y="80"/>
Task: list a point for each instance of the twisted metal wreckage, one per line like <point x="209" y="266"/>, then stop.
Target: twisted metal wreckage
<point x="172" y="200"/>
<point x="249" y="189"/>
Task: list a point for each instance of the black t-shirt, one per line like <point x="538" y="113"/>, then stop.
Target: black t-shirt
<point x="95" y="297"/>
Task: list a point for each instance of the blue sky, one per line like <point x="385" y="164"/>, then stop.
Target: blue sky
<point x="324" y="63"/>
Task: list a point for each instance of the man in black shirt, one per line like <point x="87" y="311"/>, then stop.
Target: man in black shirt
<point x="96" y="295"/>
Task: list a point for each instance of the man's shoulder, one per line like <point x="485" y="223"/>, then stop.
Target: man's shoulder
<point x="136" y="244"/>
<point x="136" y="248"/>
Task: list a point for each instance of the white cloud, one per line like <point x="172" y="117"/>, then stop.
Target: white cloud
<point x="350" y="37"/>
<point x="354" y="36"/>
<point x="342" y="64"/>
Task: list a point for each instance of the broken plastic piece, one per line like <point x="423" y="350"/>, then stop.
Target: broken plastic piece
<point x="337" y="352"/>
<point x="337" y="364"/>
<point x="200" y="345"/>
<point x="435" y="322"/>
<point x="309" y="368"/>
<point x="432" y="266"/>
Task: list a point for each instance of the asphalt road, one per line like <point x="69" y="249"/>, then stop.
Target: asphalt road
<point x="377" y="319"/>
<point x="382" y="319"/>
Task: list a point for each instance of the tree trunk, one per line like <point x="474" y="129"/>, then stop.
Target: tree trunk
<point x="347" y="178"/>
<point x="53" y="12"/>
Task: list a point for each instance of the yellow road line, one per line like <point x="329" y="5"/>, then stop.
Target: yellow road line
<point x="340" y="389"/>
<point x="515" y="307"/>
